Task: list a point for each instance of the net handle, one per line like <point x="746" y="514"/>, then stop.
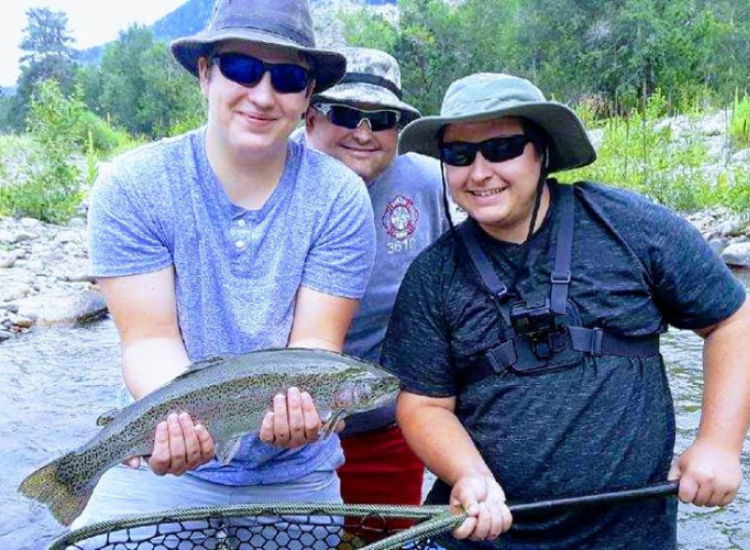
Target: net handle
<point x="446" y="521"/>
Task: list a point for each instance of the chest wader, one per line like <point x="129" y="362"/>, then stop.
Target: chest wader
<point x="544" y="335"/>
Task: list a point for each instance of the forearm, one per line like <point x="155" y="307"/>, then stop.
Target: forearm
<point x="152" y="362"/>
<point x="437" y="437"/>
<point x="726" y="392"/>
<point x="144" y="308"/>
<point x="320" y="320"/>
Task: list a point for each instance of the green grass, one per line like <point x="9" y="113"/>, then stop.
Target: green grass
<point x="739" y="127"/>
<point x="638" y="152"/>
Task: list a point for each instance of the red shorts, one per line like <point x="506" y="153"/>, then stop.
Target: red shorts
<point x="380" y="469"/>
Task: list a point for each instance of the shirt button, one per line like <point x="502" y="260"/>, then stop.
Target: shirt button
<point x="241" y="223"/>
<point x="239" y="244"/>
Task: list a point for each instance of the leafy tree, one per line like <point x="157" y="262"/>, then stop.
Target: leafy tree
<point x="49" y="187"/>
<point x="625" y="50"/>
<point x="429" y="49"/>
<point x="171" y="96"/>
<point x="436" y="42"/>
<point x="46" y="35"/>
<point x="89" y="80"/>
<point x="364" y="28"/>
<point x="122" y="77"/>
<point x="48" y="55"/>
<point x="141" y="88"/>
<point x="6" y="107"/>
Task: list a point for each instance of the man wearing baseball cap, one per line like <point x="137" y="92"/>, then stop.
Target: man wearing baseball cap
<point x="527" y="338"/>
<point x="223" y="241"/>
<point x="357" y="121"/>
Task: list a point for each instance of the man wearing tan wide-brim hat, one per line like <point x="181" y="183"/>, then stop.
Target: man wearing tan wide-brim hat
<point x="222" y="241"/>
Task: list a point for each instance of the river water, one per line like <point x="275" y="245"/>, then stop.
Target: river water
<point x="54" y="383"/>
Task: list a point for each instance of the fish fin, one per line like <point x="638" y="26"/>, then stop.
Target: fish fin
<point x="226" y="450"/>
<point x="66" y="501"/>
<point x="329" y="426"/>
<point x="199" y="366"/>
<point x="107" y="417"/>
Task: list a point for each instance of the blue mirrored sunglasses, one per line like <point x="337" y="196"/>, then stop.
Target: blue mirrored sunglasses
<point x="351" y="117"/>
<point x="247" y="70"/>
<point x="498" y="149"/>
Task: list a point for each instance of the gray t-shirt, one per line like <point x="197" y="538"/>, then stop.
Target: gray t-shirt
<point x="602" y="424"/>
<point x="237" y="270"/>
<point x="409" y="216"/>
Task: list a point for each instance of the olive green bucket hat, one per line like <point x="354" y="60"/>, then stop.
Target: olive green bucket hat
<point x="285" y="23"/>
<point x="488" y="96"/>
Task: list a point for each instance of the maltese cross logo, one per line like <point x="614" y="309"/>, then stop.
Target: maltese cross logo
<point x="400" y="217"/>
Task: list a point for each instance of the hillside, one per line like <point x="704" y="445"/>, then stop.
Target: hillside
<point x="192" y="16"/>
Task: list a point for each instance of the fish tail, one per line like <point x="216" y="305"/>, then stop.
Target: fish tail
<point x="64" y="499"/>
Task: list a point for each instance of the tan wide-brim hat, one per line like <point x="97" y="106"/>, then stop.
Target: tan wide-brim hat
<point x="489" y="96"/>
<point x="285" y="23"/>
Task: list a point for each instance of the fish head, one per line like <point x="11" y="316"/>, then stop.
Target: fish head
<point x="366" y="393"/>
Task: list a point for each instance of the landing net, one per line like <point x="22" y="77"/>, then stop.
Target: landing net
<point x="268" y="527"/>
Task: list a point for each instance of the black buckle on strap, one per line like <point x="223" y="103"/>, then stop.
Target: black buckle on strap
<point x="597" y="338"/>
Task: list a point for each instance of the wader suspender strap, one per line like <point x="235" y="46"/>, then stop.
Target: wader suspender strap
<point x="560" y="276"/>
<point x="503" y="354"/>
<point x="592" y="341"/>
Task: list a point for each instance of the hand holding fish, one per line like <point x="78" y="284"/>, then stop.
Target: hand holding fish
<point x="293" y="422"/>
<point x="179" y="446"/>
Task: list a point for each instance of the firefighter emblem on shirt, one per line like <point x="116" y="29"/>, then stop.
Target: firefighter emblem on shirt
<point x="400" y="217"/>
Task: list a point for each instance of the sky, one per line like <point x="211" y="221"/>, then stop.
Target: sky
<point x="90" y="23"/>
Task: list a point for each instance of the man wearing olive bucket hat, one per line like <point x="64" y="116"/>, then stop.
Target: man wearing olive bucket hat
<point x="527" y="338"/>
<point x="223" y="241"/>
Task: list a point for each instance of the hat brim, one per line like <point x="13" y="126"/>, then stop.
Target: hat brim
<point x="569" y="145"/>
<point x="355" y="93"/>
<point x="328" y="67"/>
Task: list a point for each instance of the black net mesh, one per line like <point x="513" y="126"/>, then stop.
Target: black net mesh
<point x="266" y="528"/>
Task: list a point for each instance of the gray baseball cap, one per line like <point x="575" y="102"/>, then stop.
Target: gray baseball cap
<point x="372" y="77"/>
<point x="285" y="23"/>
<point x="488" y="96"/>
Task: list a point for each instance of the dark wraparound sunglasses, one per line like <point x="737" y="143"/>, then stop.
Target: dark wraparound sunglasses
<point x="350" y="117"/>
<point x="247" y="70"/>
<point x="498" y="149"/>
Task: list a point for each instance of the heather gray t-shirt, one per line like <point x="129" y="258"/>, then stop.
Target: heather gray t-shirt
<point x="603" y="424"/>
<point x="237" y="270"/>
<point x="409" y="216"/>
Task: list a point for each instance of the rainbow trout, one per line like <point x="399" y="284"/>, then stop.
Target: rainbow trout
<point x="229" y="396"/>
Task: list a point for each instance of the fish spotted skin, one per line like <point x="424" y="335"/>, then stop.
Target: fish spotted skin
<point x="228" y="395"/>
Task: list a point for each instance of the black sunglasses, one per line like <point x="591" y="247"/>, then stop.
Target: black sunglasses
<point x="247" y="70"/>
<point x="498" y="149"/>
<point x="350" y="117"/>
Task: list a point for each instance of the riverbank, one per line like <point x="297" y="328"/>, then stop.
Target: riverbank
<point x="44" y="274"/>
<point x="45" y="280"/>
